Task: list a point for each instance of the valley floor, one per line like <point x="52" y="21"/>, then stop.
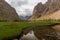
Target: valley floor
<point x="12" y="29"/>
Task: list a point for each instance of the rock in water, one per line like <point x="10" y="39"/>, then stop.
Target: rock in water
<point x="7" y="12"/>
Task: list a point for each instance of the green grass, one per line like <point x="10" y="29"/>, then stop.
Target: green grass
<point x="9" y="29"/>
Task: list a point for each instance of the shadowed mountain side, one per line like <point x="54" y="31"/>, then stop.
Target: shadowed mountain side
<point x="7" y="12"/>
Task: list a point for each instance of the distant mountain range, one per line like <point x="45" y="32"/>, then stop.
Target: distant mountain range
<point x="25" y="17"/>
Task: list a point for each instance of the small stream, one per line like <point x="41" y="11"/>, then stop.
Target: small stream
<point x="40" y="33"/>
<point x="31" y="36"/>
<point x="43" y="33"/>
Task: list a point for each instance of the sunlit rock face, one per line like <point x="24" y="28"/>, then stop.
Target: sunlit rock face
<point x="42" y="9"/>
<point x="7" y="12"/>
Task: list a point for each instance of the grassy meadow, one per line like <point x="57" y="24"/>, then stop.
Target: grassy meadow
<point x="9" y="29"/>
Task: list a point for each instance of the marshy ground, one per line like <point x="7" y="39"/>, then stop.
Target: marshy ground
<point x="29" y="30"/>
<point x="50" y="32"/>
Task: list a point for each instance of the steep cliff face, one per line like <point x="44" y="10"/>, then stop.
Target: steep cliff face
<point x="42" y="9"/>
<point x="7" y="12"/>
<point x="38" y="10"/>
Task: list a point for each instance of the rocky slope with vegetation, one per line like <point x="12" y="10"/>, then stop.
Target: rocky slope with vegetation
<point x="51" y="16"/>
<point x="49" y="7"/>
<point x="7" y="13"/>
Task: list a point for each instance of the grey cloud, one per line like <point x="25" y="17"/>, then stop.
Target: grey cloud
<point x="22" y="2"/>
<point x="18" y="2"/>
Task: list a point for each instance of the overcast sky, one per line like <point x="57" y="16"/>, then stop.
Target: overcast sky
<point x="24" y="7"/>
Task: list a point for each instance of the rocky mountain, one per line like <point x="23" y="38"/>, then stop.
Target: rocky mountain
<point x="7" y="12"/>
<point x="49" y="7"/>
<point x="54" y="16"/>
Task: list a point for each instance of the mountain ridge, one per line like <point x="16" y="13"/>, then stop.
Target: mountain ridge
<point x="49" y="7"/>
<point x="53" y="16"/>
<point x="7" y="12"/>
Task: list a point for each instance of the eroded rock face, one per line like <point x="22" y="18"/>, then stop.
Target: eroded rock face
<point x="38" y="10"/>
<point x="7" y="12"/>
<point x="42" y="9"/>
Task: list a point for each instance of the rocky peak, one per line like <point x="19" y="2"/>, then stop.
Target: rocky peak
<point x="43" y="9"/>
<point x="7" y="12"/>
<point x="38" y="10"/>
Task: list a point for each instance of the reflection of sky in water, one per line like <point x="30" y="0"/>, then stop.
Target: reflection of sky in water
<point x="29" y="36"/>
<point x="24" y="7"/>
